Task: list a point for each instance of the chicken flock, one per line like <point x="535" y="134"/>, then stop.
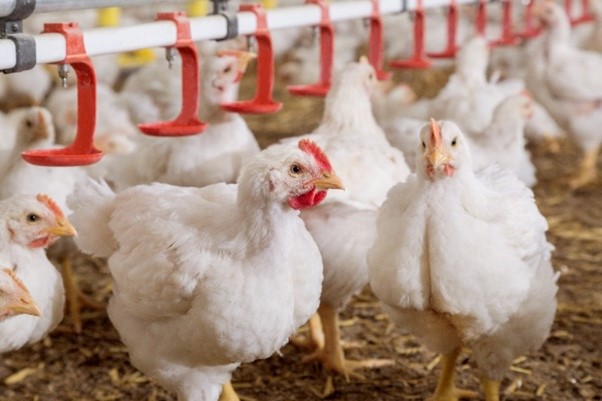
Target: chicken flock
<point x="220" y="251"/>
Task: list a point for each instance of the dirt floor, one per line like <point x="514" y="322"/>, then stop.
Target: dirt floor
<point x="94" y="365"/>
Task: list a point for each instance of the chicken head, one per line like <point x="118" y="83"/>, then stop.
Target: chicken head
<point x="442" y="149"/>
<point x="35" y="125"/>
<point x="14" y="296"/>
<point x="298" y="176"/>
<point x="36" y="221"/>
<point x="224" y="72"/>
<point x="551" y="14"/>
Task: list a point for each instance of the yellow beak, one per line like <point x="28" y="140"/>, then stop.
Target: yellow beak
<point x="26" y="306"/>
<point x="329" y="181"/>
<point x="62" y="229"/>
<point x="437" y="158"/>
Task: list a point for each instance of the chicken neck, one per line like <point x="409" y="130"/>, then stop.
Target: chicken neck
<point x="348" y="108"/>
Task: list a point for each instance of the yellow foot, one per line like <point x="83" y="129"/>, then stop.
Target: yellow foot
<point x="315" y="339"/>
<point x="76" y="303"/>
<point x="76" y="300"/>
<point x="344" y="366"/>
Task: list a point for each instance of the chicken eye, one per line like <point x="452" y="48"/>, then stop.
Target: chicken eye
<point x="454" y="142"/>
<point x="371" y="76"/>
<point x="227" y="69"/>
<point x="296" y="169"/>
<point x="32" y="218"/>
<point x="423" y="145"/>
<point x="28" y="123"/>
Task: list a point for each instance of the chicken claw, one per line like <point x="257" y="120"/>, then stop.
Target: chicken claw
<point x="331" y="354"/>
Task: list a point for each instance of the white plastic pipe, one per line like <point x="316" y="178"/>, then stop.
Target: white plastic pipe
<point x="50" y="48"/>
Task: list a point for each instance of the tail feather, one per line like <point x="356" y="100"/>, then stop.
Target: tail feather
<point x="92" y="205"/>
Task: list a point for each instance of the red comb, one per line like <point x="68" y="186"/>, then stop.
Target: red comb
<point x="314" y="150"/>
<point x="51" y="204"/>
<point x="435" y="133"/>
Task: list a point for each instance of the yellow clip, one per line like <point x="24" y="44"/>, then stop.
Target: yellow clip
<point x="269" y="3"/>
<point x="136" y="58"/>
<point x="109" y="16"/>
<point x="197" y="8"/>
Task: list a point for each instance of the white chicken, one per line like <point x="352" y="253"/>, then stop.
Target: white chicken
<point x="114" y="128"/>
<point x="35" y="130"/>
<point x="565" y="80"/>
<point x="26" y="88"/>
<point x="503" y="141"/>
<point x="343" y="226"/>
<point x="28" y="224"/>
<point x="436" y="275"/>
<point x="401" y="117"/>
<point x="216" y="155"/>
<point x="114" y="132"/>
<point x="468" y="98"/>
<point x="589" y="36"/>
<point x="205" y="279"/>
<point x="15" y="299"/>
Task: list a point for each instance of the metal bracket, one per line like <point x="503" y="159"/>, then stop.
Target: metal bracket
<point x="11" y="27"/>
<point x="220" y="7"/>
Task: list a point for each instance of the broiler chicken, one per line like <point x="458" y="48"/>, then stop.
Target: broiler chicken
<point x="15" y="299"/>
<point x="27" y="88"/>
<point x="216" y="155"/>
<point x="114" y="132"/>
<point x="343" y="226"/>
<point x="503" y="141"/>
<point x="566" y="81"/>
<point x="401" y="117"/>
<point x="205" y="279"/>
<point x="469" y="98"/>
<point x="35" y="130"/>
<point x="28" y="224"/>
<point x="461" y="259"/>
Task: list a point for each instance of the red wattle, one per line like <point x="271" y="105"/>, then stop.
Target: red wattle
<point x="308" y="199"/>
<point x="39" y="243"/>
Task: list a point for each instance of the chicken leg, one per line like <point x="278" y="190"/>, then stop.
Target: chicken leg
<point x="446" y="388"/>
<point x="75" y="298"/>
<point x="331" y="355"/>
<point x="315" y="339"/>
<point x="228" y="393"/>
<point x="587" y="172"/>
<point x="491" y="388"/>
